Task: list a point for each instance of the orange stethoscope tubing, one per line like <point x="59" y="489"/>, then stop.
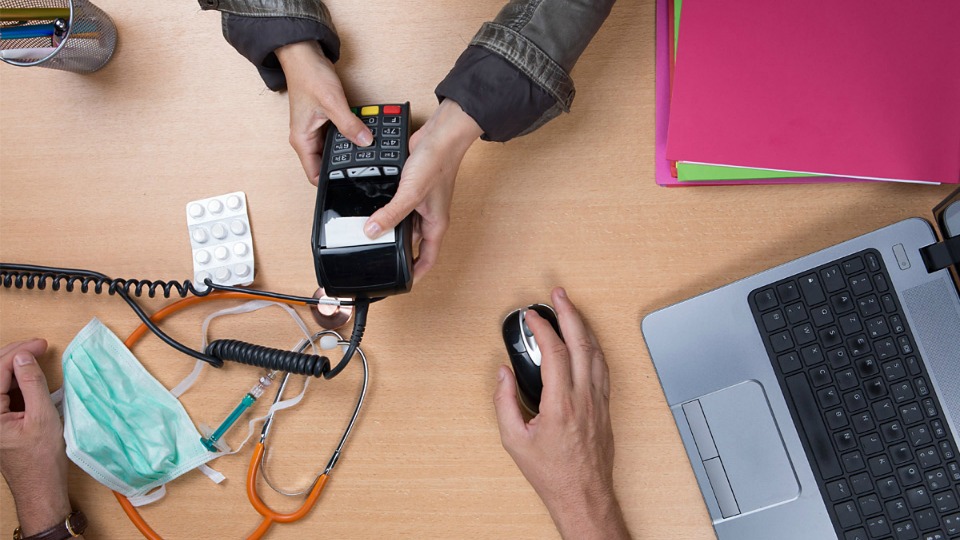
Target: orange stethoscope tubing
<point x="269" y="515"/>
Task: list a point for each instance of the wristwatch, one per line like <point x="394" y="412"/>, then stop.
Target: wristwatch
<point x="72" y="527"/>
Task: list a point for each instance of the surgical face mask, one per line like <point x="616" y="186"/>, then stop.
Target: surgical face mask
<point x="120" y="424"/>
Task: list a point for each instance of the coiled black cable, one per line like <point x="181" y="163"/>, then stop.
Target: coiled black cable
<point x="33" y="276"/>
<point x="269" y="358"/>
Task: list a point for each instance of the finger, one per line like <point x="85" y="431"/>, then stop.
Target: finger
<point x="555" y="359"/>
<point x="429" y="247"/>
<point x="580" y="341"/>
<point x="338" y="111"/>
<point x="34" y="346"/>
<point x="509" y="418"/>
<point x="409" y="196"/>
<point x="308" y="147"/>
<point x="33" y="384"/>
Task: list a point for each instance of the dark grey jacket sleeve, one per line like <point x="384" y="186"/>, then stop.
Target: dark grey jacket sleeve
<point x="258" y="27"/>
<point x="515" y="75"/>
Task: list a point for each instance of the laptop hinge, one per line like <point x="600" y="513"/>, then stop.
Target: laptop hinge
<point x="942" y="254"/>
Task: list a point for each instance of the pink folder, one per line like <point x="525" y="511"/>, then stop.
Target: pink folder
<point x="662" y="168"/>
<point x="859" y="88"/>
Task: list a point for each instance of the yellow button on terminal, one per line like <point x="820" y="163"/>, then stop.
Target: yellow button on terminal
<point x="370" y="110"/>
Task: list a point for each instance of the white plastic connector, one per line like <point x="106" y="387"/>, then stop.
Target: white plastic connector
<point x="328" y="342"/>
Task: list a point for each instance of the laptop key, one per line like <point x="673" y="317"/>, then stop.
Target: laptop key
<point x="905" y="530"/>
<point x="878" y="527"/>
<point x="766" y="299"/>
<point x="847" y="514"/>
<point x="811" y="289"/>
<point x="788" y="292"/>
<point x="832" y="279"/>
<point x="927" y="519"/>
<point x="870" y="505"/>
<point x="856" y="534"/>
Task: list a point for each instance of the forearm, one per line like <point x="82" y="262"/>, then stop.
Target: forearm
<point x="257" y="28"/>
<point x="515" y="75"/>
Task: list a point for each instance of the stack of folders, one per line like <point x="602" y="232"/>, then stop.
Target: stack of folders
<point x="761" y="92"/>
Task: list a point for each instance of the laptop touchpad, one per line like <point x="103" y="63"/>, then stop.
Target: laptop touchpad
<point x="749" y="446"/>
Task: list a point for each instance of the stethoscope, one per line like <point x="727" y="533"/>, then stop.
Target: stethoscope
<point x="271" y="516"/>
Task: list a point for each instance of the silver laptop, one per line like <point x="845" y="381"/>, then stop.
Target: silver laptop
<point x="821" y="398"/>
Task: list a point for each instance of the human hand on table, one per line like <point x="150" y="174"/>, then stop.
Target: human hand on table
<point x="566" y="451"/>
<point x="427" y="181"/>
<point x="33" y="457"/>
<point x="316" y="96"/>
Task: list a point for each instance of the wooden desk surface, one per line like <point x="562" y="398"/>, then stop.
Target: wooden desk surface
<point x="95" y="171"/>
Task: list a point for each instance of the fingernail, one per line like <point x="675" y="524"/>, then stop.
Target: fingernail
<point x="23" y="359"/>
<point x="561" y="293"/>
<point x="365" y="138"/>
<point x="501" y="373"/>
<point x="372" y="230"/>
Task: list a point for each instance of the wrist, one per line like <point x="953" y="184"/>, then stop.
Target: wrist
<point x="41" y="511"/>
<point x="289" y="55"/>
<point x="459" y="128"/>
<point x="590" y="516"/>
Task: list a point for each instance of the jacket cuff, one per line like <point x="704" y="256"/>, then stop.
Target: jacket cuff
<point x="257" y="37"/>
<point x="530" y="59"/>
<point x="502" y="99"/>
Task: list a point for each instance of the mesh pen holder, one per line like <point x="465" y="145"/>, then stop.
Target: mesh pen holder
<point x="70" y="35"/>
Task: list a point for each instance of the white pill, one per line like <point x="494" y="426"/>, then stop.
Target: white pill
<point x="221" y="253"/>
<point x="234" y="202"/>
<point x="196" y="210"/>
<point x="223" y="274"/>
<point x="198" y="280"/>
<point x="240" y="249"/>
<point x="238" y="227"/>
<point x="215" y="206"/>
<point x="203" y="256"/>
<point x="328" y="342"/>
<point x="200" y="235"/>
<point x="219" y="231"/>
<point x="241" y="270"/>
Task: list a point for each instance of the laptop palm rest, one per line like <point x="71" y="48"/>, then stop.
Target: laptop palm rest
<point x="741" y="449"/>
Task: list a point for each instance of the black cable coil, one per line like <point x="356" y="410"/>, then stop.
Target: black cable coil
<point x="269" y="358"/>
<point x="39" y="280"/>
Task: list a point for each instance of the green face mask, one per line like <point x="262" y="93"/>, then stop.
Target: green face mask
<point x="121" y="425"/>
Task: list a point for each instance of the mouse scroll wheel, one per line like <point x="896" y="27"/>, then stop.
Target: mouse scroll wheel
<point x="529" y="341"/>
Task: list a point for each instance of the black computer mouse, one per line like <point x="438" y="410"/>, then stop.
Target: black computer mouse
<point x="525" y="353"/>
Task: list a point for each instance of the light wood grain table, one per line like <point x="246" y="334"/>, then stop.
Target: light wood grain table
<point x="95" y="171"/>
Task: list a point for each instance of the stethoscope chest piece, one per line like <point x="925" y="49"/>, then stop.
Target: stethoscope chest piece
<point x="330" y="317"/>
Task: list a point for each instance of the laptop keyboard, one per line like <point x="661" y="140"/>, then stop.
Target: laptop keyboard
<point x="870" y="422"/>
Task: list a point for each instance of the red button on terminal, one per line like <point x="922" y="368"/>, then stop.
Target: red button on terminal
<point x="391" y="109"/>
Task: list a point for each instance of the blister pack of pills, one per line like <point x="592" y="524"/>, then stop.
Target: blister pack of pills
<point x="220" y="236"/>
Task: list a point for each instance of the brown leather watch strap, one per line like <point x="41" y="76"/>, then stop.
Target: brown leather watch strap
<point x="72" y="526"/>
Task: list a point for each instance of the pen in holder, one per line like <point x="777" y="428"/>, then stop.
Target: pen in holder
<point x="71" y="35"/>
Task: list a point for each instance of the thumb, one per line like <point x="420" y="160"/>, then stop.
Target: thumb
<point x="33" y="384"/>
<point x="509" y="418"/>
<point x="388" y="217"/>
<point x="348" y="123"/>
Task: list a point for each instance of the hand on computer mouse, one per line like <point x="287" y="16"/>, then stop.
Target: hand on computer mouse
<point x="566" y="451"/>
